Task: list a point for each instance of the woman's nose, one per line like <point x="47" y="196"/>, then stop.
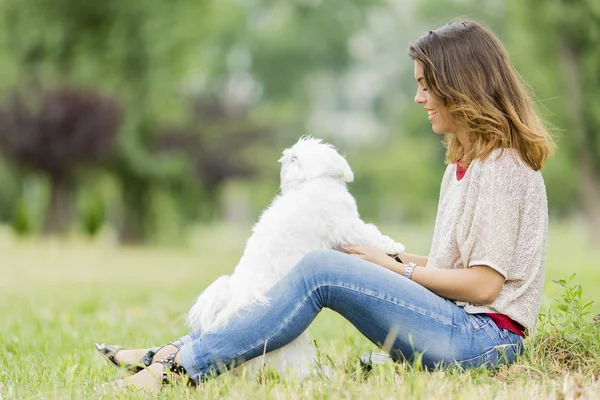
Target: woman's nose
<point x="419" y="98"/>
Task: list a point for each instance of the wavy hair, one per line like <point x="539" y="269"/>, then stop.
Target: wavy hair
<point x="466" y="68"/>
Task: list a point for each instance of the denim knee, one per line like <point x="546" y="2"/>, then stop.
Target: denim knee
<point x="319" y="263"/>
<point x="319" y="259"/>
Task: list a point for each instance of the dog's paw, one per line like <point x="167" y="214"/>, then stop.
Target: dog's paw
<point x="397" y="248"/>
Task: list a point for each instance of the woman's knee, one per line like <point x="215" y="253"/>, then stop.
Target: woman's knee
<point x="318" y="258"/>
<point x="319" y="261"/>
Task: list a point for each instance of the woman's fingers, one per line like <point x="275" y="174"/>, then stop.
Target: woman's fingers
<point x="352" y="249"/>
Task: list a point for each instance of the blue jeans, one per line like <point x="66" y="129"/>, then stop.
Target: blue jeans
<point x="378" y="302"/>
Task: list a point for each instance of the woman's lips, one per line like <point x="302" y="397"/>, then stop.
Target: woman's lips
<point x="432" y="114"/>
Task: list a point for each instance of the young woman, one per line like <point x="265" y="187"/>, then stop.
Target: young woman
<point x="476" y="295"/>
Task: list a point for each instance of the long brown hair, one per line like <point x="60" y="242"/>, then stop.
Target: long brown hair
<point x="466" y="68"/>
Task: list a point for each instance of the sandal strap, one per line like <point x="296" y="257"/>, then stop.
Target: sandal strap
<point x="108" y="352"/>
<point x="149" y="356"/>
<point x="171" y="366"/>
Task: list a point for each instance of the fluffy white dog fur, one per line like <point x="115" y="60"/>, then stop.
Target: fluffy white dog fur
<point x="313" y="211"/>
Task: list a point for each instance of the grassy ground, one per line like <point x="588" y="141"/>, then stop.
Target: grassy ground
<point x="59" y="297"/>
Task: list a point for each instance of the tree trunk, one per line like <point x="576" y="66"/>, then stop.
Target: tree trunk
<point x="132" y="224"/>
<point x="584" y="146"/>
<point x="60" y="209"/>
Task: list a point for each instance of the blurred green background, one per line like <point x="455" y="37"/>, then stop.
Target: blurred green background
<point x="142" y="122"/>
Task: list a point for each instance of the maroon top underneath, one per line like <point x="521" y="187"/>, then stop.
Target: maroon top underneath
<point x="501" y="320"/>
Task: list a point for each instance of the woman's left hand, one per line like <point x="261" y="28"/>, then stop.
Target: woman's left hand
<point x="367" y="253"/>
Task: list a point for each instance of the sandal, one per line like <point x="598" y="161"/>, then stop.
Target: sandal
<point x="109" y="351"/>
<point x="171" y="372"/>
<point x="172" y="368"/>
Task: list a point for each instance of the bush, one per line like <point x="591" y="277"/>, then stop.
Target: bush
<point x="92" y="213"/>
<point x="566" y="339"/>
<point x="21" y="219"/>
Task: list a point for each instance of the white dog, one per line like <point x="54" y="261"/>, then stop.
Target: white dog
<point x="314" y="211"/>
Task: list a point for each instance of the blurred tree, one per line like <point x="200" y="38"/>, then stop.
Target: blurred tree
<point x="259" y="61"/>
<point x="563" y="37"/>
<point x="9" y="181"/>
<point x="92" y="212"/>
<point x="218" y="142"/>
<point x="158" y="54"/>
<point x="131" y="48"/>
<point x="68" y="129"/>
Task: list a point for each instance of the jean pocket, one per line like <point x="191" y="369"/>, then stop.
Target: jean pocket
<point x="503" y="332"/>
<point x="478" y="321"/>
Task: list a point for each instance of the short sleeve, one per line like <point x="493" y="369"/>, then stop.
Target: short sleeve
<point x="489" y="226"/>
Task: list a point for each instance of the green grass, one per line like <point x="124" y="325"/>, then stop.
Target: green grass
<point x="59" y="297"/>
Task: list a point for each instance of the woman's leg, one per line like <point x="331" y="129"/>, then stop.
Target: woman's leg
<point x="393" y="312"/>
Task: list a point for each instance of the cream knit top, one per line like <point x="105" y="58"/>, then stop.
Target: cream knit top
<point x="496" y="215"/>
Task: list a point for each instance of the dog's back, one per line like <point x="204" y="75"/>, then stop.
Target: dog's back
<point x="295" y="224"/>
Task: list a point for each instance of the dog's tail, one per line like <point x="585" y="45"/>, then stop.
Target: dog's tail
<point x="208" y="305"/>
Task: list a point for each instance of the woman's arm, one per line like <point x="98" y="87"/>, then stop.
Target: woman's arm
<point x="413" y="258"/>
<point x="479" y="284"/>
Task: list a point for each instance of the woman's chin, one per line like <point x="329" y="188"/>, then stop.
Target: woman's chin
<point x="437" y="130"/>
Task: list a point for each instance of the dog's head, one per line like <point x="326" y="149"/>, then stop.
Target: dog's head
<point x="311" y="159"/>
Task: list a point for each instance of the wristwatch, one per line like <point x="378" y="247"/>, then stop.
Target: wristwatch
<point x="409" y="270"/>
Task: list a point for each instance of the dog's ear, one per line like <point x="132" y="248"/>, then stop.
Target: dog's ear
<point x="292" y="171"/>
<point x="341" y="169"/>
<point x="347" y="174"/>
<point x="286" y="156"/>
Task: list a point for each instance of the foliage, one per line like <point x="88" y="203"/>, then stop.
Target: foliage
<point x="397" y="185"/>
<point x="266" y="73"/>
<point x="215" y="144"/>
<point x="92" y="212"/>
<point x="9" y="182"/>
<point x="558" y="54"/>
<point x="567" y="337"/>
<point x="21" y="219"/>
<point x="67" y="129"/>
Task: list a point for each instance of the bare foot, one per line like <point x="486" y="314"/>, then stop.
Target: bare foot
<point x="149" y="379"/>
<point x="126" y="357"/>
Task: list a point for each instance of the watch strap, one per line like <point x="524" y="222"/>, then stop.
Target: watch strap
<point x="409" y="270"/>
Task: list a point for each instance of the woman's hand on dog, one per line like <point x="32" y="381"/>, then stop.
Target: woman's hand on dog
<point x="368" y="253"/>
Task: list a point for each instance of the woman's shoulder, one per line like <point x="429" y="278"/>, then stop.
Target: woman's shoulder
<point x="506" y="163"/>
<point x="509" y="176"/>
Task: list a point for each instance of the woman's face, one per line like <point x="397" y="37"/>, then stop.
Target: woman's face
<point x="439" y="116"/>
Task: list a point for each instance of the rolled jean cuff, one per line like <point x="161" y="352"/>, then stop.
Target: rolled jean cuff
<point x="188" y="361"/>
<point x="179" y="343"/>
